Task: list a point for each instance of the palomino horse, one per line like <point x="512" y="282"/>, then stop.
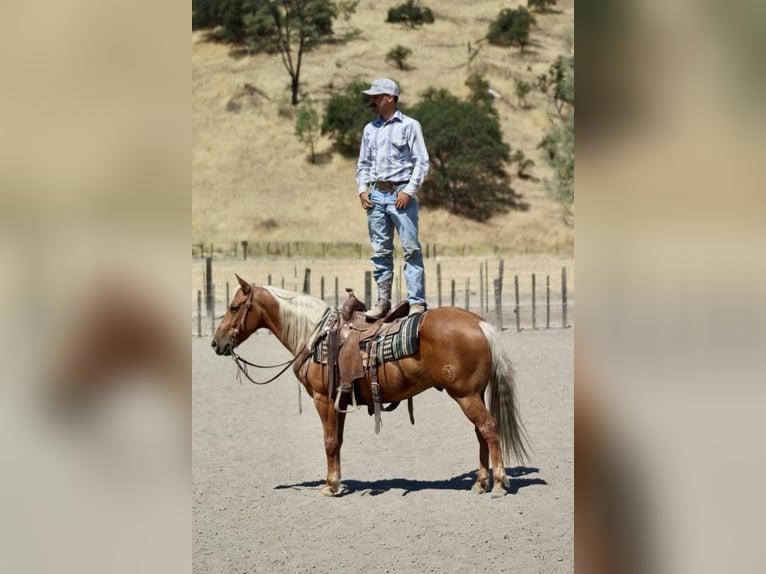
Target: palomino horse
<point x="459" y="352"/>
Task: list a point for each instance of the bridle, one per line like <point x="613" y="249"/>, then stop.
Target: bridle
<point x="242" y="363"/>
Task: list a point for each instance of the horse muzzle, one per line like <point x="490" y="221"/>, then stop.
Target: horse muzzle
<point x="222" y="349"/>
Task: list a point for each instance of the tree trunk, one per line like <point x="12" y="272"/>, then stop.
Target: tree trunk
<point x="294" y="88"/>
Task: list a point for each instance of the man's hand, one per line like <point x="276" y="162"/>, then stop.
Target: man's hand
<point x="402" y="200"/>
<point x="364" y="197"/>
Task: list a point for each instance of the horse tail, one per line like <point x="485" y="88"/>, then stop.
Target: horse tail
<point x="503" y="404"/>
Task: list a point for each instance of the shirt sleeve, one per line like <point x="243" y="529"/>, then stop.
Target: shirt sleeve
<point x="364" y="165"/>
<point x="420" y="159"/>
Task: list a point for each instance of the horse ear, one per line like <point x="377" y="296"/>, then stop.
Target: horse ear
<point x="242" y="283"/>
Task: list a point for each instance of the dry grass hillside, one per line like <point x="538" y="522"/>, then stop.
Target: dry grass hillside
<point x="251" y="178"/>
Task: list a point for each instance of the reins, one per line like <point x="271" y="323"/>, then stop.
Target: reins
<point x="243" y="364"/>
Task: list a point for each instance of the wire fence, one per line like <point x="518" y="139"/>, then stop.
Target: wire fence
<point x="527" y="301"/>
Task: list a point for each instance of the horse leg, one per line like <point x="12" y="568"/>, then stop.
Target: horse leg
<point x="486" y="428"/>
<point x="482" y="476"/>
<point x="332" y="425"/>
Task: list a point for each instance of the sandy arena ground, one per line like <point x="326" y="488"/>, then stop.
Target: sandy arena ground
<point x="406" y="505"/>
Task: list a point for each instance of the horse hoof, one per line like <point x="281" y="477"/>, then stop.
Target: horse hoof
<point x="478" y="489"/>
<point x="497" y="493"/>
<point x="328" y="491"/>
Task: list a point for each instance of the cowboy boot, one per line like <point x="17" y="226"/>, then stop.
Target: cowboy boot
<point x="384" y="302"/>
<point x="416" y="308"/>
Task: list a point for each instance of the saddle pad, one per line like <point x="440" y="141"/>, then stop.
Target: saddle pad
<point x="320" y="351"/>
<point x="403" y="343"/>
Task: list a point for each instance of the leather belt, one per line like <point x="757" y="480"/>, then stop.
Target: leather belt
<point x="388" y="186"/>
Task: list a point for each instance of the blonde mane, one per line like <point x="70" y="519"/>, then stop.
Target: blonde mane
<point x="298" y="315"/>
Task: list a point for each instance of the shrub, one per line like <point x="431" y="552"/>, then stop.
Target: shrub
<point x="398" y="56"/>
<point x="541" y="5"/>
<point x="522" y="90"/>
<point x="307" y="125"/>
<point x="558" y="143"/>
<point x="410" y="14"/>
<point x="511" y="28"/>
<point x="345" y="117"/>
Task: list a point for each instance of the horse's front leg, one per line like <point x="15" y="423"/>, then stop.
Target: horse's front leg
<point x="332" y="425"/>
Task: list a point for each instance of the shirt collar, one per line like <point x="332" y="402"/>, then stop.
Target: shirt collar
<point x="397" y="117"/>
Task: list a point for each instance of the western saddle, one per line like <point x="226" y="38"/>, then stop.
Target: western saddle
<point x="352" y="346"/>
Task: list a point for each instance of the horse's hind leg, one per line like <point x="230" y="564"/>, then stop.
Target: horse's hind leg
<point x="486" y="429"/>
<point x="332" y="425"/>
<point x="482" y="476"/>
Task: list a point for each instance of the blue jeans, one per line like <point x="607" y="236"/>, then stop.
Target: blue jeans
<point x="382" y="219"/>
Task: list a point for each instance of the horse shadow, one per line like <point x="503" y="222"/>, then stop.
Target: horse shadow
<point x="518" y="477"/>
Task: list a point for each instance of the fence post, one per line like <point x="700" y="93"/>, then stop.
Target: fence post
<point x="564" y="297"/>
<point x="227" y="294"/>
<point x="199" y="313"/>
<point x="534" y="305"/>
<point x="547" y="301"/>
<point x="212" y="311"/>
<point x="307" y="281"/>
<point x="481" y="288"/>
<point x="209" y="286"/>
<point x="486" y="286"/>
<point x="453" y="293"/>
<point x="368" y="289"/>
<point x="516" y="310"/>
<point x="244" y="250"/>
<point x="498" y="305"/>
<point x="269" y="283"/>
<point x="439" y="283"/>
<point x="337" y="295"/>
<point x="321" y="286"/>
<point x="467" y="293"/>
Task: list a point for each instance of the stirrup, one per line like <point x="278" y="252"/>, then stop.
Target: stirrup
<point x="338" y="394"/>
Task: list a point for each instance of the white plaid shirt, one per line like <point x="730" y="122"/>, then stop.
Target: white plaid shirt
<point x="392" y="151"/>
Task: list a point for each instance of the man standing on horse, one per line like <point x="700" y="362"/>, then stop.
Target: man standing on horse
<point x="393" y="162"/>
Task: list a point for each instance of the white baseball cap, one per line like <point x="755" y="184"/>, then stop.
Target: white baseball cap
<point x="383" y="86"/>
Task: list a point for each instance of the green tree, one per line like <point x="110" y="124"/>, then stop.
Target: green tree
<point x="226" y="14"/>
<point x="345" y="116"/>
<point x="558" y="143"/>
<point x="479" y="87"/>
<point x="541" y="5"/>
<point x="558" y="83"/>
<point x="206" y="13"/>
<point x="307" y="125"/>
<point x="468" y="157"/>
<point x="511" y="28"/>
<point x="290" y="27"/>
<point x="398" y="56"/>
<point x="410" y="14"/>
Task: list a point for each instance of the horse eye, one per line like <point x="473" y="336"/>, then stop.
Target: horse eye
<point x="234" y="308"/>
